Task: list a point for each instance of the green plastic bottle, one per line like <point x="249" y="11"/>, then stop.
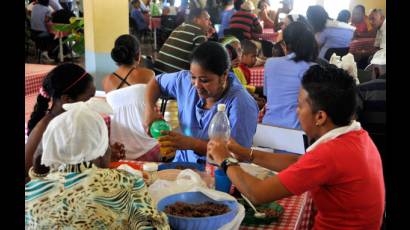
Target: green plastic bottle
<point x="166" y="153"/>
<point x="157" y="126"/>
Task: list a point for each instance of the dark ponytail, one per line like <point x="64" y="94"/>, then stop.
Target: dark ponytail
<point x="300" y="40"/>
<point x="40" y="108"/>
<point x="66" y="79"/>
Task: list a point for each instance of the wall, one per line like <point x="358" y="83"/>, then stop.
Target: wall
<point x="369" y="4"/>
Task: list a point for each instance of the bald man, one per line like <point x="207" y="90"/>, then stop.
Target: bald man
<point x="378" y="21"/>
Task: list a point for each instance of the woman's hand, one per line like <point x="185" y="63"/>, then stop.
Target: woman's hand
<point x="240" y="153"/>
<point x="117" y="151"/>
<point x="210" y="32"/>
<point x="175" y="141"/>
<point x="218" y="151"/>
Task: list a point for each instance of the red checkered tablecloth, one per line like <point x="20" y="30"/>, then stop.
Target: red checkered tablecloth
<point x="268" y="34"/>
<point x="155" y="22"/>
<point x="296" y="215"/>
<point x="34" y="75"/>
<point x="360" y="44"/>
<point x="257" y="76"/>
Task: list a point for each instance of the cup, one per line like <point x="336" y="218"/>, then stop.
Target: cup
<point x="222" y="181"/>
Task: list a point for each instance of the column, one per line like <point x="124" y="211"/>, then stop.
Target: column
<point x="104" y="21"/>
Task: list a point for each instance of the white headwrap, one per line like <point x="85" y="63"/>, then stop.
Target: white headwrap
<point x="77" y="135"/>
<point x="347" y="63"/>
<point x="379" y="58"/>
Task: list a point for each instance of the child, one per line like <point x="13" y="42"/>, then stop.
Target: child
<point x="248" y="58"/>
<point x="234" y="49"/>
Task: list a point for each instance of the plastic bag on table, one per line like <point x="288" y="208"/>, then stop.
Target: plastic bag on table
<point x="185" y="180"/>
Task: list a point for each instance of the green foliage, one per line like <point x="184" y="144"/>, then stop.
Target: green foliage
<point x="76" y="36"/>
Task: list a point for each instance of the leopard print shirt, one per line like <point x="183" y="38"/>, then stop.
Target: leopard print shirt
<point x="90" y="198"/>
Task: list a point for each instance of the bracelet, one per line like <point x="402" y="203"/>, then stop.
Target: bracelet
<point x="34" y="175"/>
<point x="251" y="155"/>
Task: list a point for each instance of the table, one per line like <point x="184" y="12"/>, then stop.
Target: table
<point x="257" y="76"/>
<point x="155" y="23"/>
<point x="268" y="34"/>
<point x="34" y="75"/>
<point x="298" y="214"/>
<point x="361" y="47"/>
<point x="59" y="35"/>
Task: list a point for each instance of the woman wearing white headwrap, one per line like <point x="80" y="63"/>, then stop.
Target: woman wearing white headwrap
<point x="80" y="192"/>
<point x="66" y="83"/>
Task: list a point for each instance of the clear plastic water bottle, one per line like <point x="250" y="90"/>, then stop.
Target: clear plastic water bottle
<point x="219" y="128"/>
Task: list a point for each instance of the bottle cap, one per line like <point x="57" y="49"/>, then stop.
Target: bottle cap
<point x="221" y="107"/>
<point x="157" y="126"/>
<point x="150" y="166"/>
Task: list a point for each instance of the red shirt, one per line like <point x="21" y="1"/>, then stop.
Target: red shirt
<point x="345" y="178"/>
<point x="245" y="22"/>
<point x="361" y="27"/>
<point x="246" y="71"/>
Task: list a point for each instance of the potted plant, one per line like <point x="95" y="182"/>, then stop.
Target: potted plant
<point x="75" y="38"/>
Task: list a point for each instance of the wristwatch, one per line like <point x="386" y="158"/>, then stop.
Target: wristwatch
<point x="228" y="162"/>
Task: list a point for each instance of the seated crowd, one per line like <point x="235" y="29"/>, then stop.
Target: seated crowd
<point x="201" y="67"/>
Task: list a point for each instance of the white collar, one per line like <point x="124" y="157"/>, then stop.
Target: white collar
<point x="332" y="134"/>
<point x="340" y="25"/>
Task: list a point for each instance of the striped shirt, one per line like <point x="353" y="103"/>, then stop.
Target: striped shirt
<point x="372" y="104"/>
<point x="245" y="21"/>
<point x="176" y="52"/>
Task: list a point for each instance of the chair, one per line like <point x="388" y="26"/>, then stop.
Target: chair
<point x="339" y="52"/>
<point x="40" y="42"/>
<point x="238" y="33"/>
<point x="147" y="62"/>
<point x="280" y="138"/>
<point x="364" y="75"/>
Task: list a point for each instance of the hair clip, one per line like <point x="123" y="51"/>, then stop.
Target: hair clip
<point x="44" y="93"/>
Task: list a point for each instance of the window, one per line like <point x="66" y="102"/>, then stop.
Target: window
<point x="301" y="6"/>
<point x="334" y="7"/>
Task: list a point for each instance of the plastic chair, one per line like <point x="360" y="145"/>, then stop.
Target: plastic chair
<point x="280" y="138"/>
<point x="364" y="75"/>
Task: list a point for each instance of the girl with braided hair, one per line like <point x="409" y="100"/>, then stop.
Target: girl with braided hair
<point x="66" y="83"/>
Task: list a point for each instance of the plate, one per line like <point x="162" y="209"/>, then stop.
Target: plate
<point x="250" y="219"/>
<point x="182" y="166"/>
<point x="168" y="174"/>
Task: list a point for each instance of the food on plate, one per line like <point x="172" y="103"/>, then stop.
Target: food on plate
<point x="196" y="210"/>
<point x="182" y="167"/>
<point x="270" y="212"/>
